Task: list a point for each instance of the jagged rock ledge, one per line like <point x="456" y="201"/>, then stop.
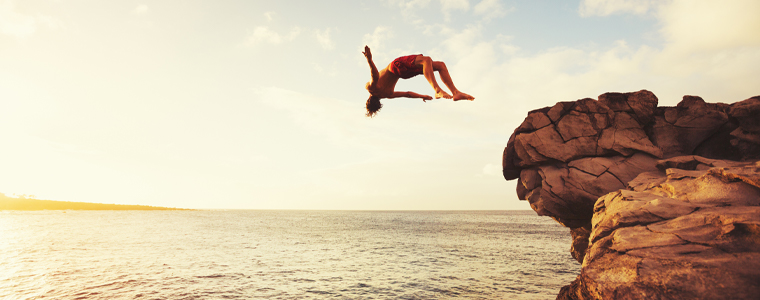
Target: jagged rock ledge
<point x="662" y="202"/>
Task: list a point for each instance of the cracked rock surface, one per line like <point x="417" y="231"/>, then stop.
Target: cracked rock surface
<point x="568" y="155"/>
<point x="661" y="202"/>
<point x="690" y="230"/>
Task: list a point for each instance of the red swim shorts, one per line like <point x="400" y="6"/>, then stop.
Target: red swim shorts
<point x="404" y="67"/>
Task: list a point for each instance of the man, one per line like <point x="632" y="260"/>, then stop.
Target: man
<point x="384" y="82"/>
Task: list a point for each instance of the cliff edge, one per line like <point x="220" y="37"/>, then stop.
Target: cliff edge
<point x="662" y="202"/>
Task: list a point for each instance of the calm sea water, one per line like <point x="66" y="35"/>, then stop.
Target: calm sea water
<point x="249" y="254"/>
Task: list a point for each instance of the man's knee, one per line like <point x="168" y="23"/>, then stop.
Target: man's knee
<point x="424" y="60"/>
<point x="439" y="65"/>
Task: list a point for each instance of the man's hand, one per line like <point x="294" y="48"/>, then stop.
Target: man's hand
<point x="425" y="98"/>
<point x="367" y="53"/>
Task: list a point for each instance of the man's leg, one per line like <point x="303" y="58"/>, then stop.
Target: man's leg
<point x="429" y="72"/>
<point x="446" y="78"/>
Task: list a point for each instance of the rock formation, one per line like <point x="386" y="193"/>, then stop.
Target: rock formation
<point x="659" y="200"/>
<point x="688" y="231"/>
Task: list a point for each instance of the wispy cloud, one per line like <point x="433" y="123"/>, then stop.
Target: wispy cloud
<point x="709" y="50"/>
<point x="332" y="72"/>
<point x="21" y="25"/>
<point x="409" y="8"/>
<point x="491" y="9"/>
<point x="269" y="15"/>
<point x="378" y="37"/>
<point x="323" y="37"/>
<point x="448" y="6"/>
<point x="262" y="34"/>
<point x="703" y="25"/>
<point x="607" y="7"/>
<point x="377" y="41"/>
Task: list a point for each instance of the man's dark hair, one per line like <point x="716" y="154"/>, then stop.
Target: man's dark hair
<point x="373" y="105"/>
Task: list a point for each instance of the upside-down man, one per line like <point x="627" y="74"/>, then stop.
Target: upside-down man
<point x="384" y="81"/>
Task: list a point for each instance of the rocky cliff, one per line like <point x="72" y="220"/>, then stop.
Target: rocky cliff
<point x="662" y="202"/>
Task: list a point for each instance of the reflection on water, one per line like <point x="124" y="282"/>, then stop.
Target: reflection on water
<point x="244" y="254"/>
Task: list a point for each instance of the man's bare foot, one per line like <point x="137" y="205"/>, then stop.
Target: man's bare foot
<point x="442" y="94"/>
<point x="462" y="96"/>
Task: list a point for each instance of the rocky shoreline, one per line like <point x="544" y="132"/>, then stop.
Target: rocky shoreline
<point x="662" y="202"/>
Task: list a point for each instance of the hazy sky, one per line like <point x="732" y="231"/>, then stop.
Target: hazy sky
<point x="260" y="104"/>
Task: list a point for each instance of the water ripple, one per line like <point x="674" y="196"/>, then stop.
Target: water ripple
<point x="282" y="255"/>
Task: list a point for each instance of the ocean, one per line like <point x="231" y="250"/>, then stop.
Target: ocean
<point x="270" y="254"/>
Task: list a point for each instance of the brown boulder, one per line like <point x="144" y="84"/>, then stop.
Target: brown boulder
<point x="567" y="145"/>
<point x="658" y="226"/>
<point x="642" y="104"/>
<point x="746" y="137"/>
<point x="680" y="130"/>
<point x="747" y="112"/>
<point x="580" y="242"/>
<point x="695" y="233"/>
<point x="554" y="142"/>
<point x="567" y="192"/>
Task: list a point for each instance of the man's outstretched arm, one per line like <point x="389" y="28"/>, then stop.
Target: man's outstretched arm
<point x="368" y="55"/>
<point x="410" y="95"/>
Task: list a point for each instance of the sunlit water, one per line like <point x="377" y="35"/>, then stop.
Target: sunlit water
<point x="242" y="254"/>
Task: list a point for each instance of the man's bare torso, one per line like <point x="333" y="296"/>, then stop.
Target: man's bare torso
<point x="385" y="84"/>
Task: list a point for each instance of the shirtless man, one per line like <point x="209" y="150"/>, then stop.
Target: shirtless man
<point x="384" y="82"/>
